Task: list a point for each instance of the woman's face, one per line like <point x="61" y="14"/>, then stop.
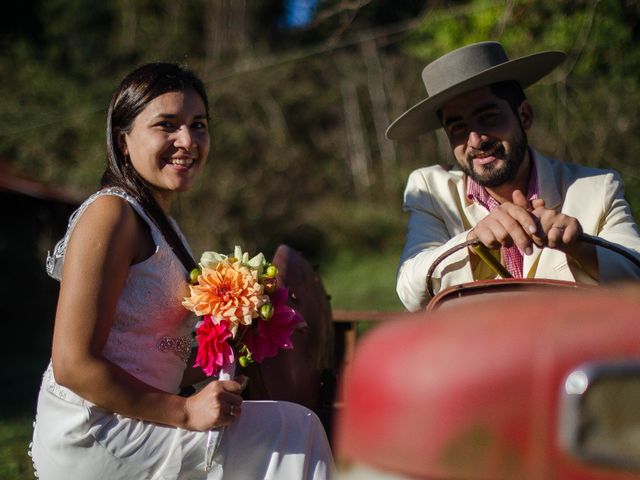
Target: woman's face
<point x="169" y="142"/>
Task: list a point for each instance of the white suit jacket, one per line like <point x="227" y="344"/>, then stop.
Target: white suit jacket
<point x="441" y="216"/>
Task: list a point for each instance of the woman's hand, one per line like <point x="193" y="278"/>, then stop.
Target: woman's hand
<point x="216" y="405"/>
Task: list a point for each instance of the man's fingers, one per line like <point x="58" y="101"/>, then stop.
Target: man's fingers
<point x="559" y="229"/>
<point x="537" y="203"/>
<point x="571" y="232"/>
<point x="490" y="233"/>
<point x="520" y="200"/>
<point x="555" y="235"/>
<point x="504" y="227"/>
<point x="526" y="225"/>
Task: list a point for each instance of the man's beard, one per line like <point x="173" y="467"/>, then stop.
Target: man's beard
<point x="495" y="175"/>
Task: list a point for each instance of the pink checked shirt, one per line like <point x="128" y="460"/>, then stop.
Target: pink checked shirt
<point x="512" y="256"/>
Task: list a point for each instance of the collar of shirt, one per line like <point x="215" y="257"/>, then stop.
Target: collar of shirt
<point x="477" y="193"/>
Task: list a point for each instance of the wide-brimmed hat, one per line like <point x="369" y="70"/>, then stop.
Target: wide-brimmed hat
<point x="465" y="69"/>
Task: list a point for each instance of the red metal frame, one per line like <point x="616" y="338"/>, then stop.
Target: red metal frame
<point x="471" y="389"/>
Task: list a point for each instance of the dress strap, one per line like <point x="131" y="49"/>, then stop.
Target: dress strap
<point x="55" y="259"/>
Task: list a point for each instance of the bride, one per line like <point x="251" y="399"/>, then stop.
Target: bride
<point x="108" y="405"/>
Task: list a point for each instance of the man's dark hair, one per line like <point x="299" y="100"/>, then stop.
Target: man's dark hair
<point x="509" y="91"/>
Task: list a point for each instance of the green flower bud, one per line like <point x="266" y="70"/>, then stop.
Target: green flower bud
<point x="193" y="275"/>
<point x="271" y="271"/>
<point x="245" y="356"/>
<point x="266" y="311"/>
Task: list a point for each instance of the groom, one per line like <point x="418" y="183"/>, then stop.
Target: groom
<point x="505" y="194"/>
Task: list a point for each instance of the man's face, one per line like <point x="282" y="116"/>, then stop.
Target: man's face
<point x="487" y="137"/>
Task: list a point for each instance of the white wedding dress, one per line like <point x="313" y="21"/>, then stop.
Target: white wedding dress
<point x="151" y="339"/>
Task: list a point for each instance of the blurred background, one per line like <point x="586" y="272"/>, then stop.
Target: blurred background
<point x="301" y="92"/>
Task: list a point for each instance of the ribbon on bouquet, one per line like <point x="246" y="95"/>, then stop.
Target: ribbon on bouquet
<point x="215" y="436"/>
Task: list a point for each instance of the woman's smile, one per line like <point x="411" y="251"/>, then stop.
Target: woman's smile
<point x="181" y="161"/>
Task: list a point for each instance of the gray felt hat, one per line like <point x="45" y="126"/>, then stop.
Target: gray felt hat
<point x="465" y="69"/>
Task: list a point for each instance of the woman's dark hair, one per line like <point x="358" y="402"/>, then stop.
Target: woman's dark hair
<point x="131" y="97"/>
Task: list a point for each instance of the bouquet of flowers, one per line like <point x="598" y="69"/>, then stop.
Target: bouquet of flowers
<point x="244" y="314"/>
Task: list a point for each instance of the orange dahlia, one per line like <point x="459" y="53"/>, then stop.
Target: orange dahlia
<point x="229" y="291"/>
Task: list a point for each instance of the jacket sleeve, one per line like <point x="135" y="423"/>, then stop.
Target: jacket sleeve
<point x="617" y="226"/>
<point x="435" y="225"/>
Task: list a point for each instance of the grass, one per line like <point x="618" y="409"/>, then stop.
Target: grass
<point x="363" y="281"/>
<point x="15" y="436"/>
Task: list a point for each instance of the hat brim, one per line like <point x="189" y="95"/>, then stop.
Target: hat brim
<point x="423" y="117"/>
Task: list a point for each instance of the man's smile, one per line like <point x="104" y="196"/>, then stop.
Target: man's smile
<point x="486" y="155"/>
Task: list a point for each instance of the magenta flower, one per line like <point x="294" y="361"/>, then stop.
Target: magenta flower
<point x="275" y="333"/>
<point x="214" y="350"/>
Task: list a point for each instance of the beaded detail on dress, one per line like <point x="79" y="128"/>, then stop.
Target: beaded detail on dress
<point x="181" y="346"/>
<point x="30" y="453"/>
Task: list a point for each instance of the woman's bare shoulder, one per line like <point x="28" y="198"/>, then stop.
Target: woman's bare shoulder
<point x="109" y="222"/>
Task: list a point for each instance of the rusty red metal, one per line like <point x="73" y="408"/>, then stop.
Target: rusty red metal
<point x="512" y="286"/>
<point x="472" y="390"/>
<point x="296" y="375"/>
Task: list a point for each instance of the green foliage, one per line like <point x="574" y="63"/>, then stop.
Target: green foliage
<point x="444" y="30"/>
<point x="280" y="140"/>
<point x="363" y="280"/>
<point x="283" y="158"/>
<point x="15" y="436"/>
<point x="586" y="110"/>
<point x="282" y="164"/>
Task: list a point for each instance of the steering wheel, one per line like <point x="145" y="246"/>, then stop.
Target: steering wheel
<point x="501" y="271"/>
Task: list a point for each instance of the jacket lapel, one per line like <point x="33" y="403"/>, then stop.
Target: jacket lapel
<point x="473" y="212"/>
<point x="547" y="181"/>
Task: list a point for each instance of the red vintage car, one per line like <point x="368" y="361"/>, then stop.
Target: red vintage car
<point x="502" y="379"/>
<point x="498" y="380"/>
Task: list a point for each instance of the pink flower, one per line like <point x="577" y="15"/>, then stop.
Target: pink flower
<point x="214" y="350"/>
<point x="275" y="333"/>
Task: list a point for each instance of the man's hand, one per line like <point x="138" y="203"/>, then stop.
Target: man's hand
<point x="522" y="223"/>
<point x="557" y="230"/>
<point x="561" y="232"/>
<point x="508" y="224"/>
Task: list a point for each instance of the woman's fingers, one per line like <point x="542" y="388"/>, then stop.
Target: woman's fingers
<point x="216" y="405"/>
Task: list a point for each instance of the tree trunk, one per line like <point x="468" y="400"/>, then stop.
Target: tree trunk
<point x="358" y="150"/>
<point x="379" y="111"/>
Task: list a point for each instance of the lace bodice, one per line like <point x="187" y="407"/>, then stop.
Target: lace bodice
<point x="151" y="335"/>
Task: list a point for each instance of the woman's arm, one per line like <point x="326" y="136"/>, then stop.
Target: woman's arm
<point x="192" y="375"/>
<point x="107" y="239"/>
